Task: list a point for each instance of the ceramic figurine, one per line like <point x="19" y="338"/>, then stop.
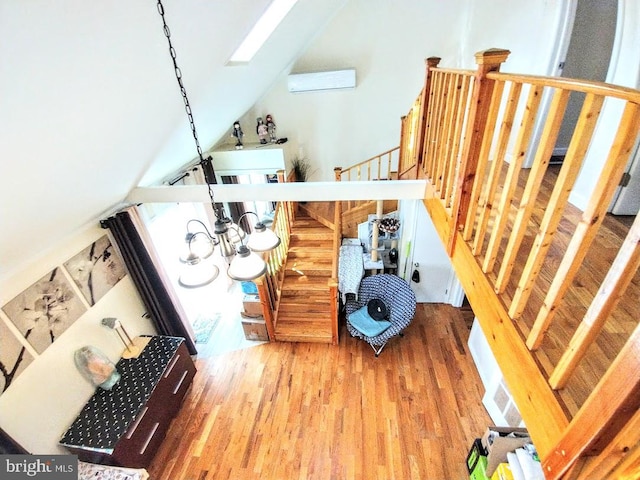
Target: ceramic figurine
<point x="262" y="131"/>
<point x="237" y="132"/>
<point x="271" y="128"/>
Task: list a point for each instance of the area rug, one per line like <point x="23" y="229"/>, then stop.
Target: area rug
<point x="204" y="325"/>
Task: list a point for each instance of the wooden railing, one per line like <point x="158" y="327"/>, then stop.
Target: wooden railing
<point x="333" y="282"/>
<point x="270" y="284"/>
<point x="470" y="134"/>
<point x="381" y="167"/>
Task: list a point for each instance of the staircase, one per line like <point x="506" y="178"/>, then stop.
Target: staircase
<point x="304" y="313"/>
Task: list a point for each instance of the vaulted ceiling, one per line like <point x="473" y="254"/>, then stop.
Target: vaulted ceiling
<point x="90" y="106"/>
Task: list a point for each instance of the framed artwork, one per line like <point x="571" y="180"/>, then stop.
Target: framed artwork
<point x="14" y="357"/>
<point x="45" y="310"/>
<point x="96" y="269"/>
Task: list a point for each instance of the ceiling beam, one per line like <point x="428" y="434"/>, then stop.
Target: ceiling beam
<point x="298" y="191"/>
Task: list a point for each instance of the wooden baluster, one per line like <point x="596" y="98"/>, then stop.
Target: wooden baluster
<point x="609" y="407"/>
<point x="439" y="127"/>
<point x="528" y="200"/>
<point x="486" y="200"/>
<point x="429" y="134"/>
<point x="552" y="216"/>
<point x="620" y="274"/>
<point x="483" y="160"/>
<point x="487" y="61"/>
<point x="403" y="141"/>
<point x="590" y="222"/>
<point x="511" y="182"/>
<point x="447" y="135"/>
<point x="264" y="295"/>
<point x="458" y="106"/>
<point x="419" y="144"/>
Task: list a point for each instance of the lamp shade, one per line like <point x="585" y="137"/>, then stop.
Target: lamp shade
<point x="263" y="239"/>
<point x="199" y="243"/>
<point x="246" y="265"/>
<point x="197" y="273"/>
<point x="234" y="232"/>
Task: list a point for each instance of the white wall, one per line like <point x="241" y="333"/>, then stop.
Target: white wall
<point x="528" y="29"/>
<point x="386" y="42"/>
<point x="43" y="401"/>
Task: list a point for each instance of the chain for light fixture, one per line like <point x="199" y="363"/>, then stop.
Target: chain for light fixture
<point x="244" y="263"/>
<point x="178" y="72"/>
<point x="187" y="106"/>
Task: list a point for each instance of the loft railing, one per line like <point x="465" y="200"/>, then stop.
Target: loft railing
<point x="380" y="167"/>
<point x="471" y="134"/>
<point x="270" y="284"/>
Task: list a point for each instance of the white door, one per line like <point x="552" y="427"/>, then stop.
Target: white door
<point x="627" y="199"/>
<point x="421" y="250"/>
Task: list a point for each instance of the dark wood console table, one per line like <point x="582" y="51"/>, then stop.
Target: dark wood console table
<point x="125" y="426"/>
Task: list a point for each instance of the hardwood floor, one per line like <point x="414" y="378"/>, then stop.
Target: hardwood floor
<point x="316" y="411"/>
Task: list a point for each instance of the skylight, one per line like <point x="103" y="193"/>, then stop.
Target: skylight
<point x="262" y="30"/>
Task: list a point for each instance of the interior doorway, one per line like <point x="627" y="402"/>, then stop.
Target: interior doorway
<point x="588" y="57"/>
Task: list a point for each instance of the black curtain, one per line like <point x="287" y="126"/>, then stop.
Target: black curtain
<point x="163" y="310"/>
<point x="236" y="209"/>
<point x="8" y="446"/>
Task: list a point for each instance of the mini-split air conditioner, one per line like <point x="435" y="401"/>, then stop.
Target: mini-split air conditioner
<point x="314" y="81"/>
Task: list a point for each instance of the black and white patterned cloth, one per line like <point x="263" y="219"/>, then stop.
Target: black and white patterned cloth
<point x="397" y="297"/>
<point x="350" y="269"/>
<point x="107" y="415"/>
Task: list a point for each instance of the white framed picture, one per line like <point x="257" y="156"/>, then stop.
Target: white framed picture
<point x="96" y="269"/>
<point x="45" y="310"/>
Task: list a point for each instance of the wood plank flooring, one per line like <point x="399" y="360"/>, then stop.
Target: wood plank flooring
<point x="317" y="411"/>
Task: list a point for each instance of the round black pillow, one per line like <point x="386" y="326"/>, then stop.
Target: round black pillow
<point x="377" y="309"/>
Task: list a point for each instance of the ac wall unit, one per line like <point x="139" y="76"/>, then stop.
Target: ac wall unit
<point x="314" y="81"/>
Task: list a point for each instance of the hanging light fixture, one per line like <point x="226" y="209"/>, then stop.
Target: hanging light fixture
<point x="200" y="245"/>
<point x="244" y="263"/>
<point x="197" y="271"/>
<point x="262" y="239"/>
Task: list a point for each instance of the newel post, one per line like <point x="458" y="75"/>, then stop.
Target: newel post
<point x="487" y="61"/>
<point x="337" y="173"/>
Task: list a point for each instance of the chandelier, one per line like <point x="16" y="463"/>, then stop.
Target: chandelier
<point x="244" y="264"/>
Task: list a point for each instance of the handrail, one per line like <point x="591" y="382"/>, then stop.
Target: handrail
<point x="474" y="130"/>
<point x="373" y="167"/>
<point x="372" y="173"/>
<point x="270" y="284"/>
<point x="572" y="84"/>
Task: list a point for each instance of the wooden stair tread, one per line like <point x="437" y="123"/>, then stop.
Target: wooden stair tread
<point x="297" y="282"/>
<point x="304" y="312"/>
<point x="310" y="266"/>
